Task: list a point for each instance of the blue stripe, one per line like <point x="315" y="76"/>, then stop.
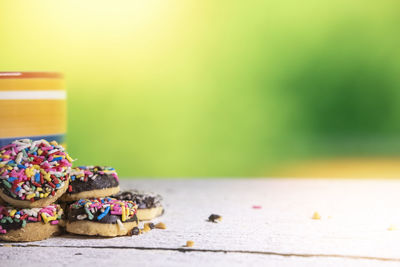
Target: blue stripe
<point x="60" y="138"/>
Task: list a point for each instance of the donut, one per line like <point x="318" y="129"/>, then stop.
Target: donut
<point x="149" y="204"/>
<point x="29" y="224"/>
<point x="33" y="173"/>
<point x="102" y="217"/>
<point x="91" y="182"/>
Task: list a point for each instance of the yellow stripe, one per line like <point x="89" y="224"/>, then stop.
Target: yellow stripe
<point x="31" y="84"/>
<point x="32" y="117"/>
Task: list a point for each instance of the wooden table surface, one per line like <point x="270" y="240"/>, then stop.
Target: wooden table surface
<point x="357" y="226"/>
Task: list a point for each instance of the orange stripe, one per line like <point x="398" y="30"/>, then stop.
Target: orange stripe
<point x="31" y="84"/>
<point x="32" y="117"/>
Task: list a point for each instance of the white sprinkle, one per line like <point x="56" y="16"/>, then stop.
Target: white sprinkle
<point x="121" y="226"/>
<point x="81" y="216"/>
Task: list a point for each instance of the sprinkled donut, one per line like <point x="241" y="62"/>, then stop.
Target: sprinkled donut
<point x="102" y="216"/>
<point x="33" y="173"/>
<point x="29" y="224"/>
<point x="149" y="204"/>
<point x="91" y="182"/>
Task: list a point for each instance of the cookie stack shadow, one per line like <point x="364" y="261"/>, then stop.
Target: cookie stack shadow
<point x="43" y="195"/>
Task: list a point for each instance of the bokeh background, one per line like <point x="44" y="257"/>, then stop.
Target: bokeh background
<point x="220" y="88"/>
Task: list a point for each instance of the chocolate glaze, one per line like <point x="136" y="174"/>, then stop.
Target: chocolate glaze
<point x="143" y="200"/>
<point x="100" y="182"/>
<point x="14" y="225"/>
<point x="109" y="218"/>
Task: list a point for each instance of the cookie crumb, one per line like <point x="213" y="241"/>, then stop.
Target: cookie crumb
<point x="214" y="217"/>
<point x="316" y="216"/>
<point x="189" y="243"/>
<point x="151" y="225"/>
<point x="257" y="207"/>
<point x="392" y="228"/>
<point x="146" y="227"/>
<point x="78" y="254"/>
<point x="7" y="245"/>
<point x="160" y="225"/>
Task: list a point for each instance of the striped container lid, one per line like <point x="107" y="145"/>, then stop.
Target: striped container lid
<point x="32" y="105"/>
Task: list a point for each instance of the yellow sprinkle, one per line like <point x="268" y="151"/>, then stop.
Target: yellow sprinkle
<point x="28" y="197"/>
<point x="52" y="218"/>
<point x="6" y="156"/>
<point x="40" y="151"/>
<point x="392" y="228"/>
<point x="69" y="158"/>
<point x="2" y="165"/>
<point x="37" y="167"/>
<point x="54" y="143"/>
<point x="41" y="195"/>
<point x="12" y="213"/>
<point x="29" y="172"/>
<point x="47" y="194"/>
<point x="123" y="213"/>
<point x="45" y="219"/>
<point x="316" y="216"/>
<point x="47" y="177"/>
<point x="9" y="168"/>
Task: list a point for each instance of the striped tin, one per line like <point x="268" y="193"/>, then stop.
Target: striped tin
<point x="32" y="105"/>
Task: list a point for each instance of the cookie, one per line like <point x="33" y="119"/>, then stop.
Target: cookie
<point x="102" y="217"/>
<point x="149" y="204"/>
<point x="29" y="224"/>
<point x="91" y="182"/>
<point x="33" y="173"/>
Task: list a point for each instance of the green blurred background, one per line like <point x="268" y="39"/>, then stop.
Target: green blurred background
<point x="217" y="88"/>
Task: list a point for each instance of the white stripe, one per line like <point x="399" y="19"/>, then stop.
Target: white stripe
<point x="45" y="94"/>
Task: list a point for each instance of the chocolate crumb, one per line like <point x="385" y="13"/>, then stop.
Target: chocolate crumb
<point x="214" y="217"/>
<point x="135" y="231"/>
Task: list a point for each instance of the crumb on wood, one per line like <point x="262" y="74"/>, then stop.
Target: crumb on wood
<point x="316" y="216"/>
<point x="189" y="243"/>
<point x="160" y="225"/>
<point x="214" y="218"/>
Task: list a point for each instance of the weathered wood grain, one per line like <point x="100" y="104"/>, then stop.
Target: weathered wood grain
<point x="355" y="214"/>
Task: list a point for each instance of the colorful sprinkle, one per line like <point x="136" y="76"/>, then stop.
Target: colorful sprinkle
<point x="29" y="165"/>
<point x="98" y="208"/>
<point x="9" y="216"/>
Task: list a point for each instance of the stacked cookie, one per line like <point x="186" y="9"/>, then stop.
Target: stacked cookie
<point x="33" y="175"/>
<point x="36" y="174"/>
<point x="91" y="210"/>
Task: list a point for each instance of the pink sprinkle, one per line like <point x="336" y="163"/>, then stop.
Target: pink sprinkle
<point x="32" y="219"/>
<point x="3" y="231"/>
<point x="115" y="176"/>
<point x="257" y="207"/>
<point x="116" y="212"/>
<point x="54" y="222"/>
